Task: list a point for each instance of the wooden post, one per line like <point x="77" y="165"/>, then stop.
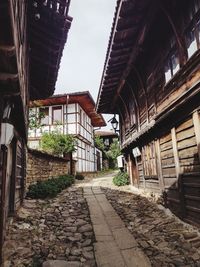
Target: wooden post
<point x="196" y="122"/>
<point x="130" y="169"/>
<point x="143" y="168"/>
<point x="3" y="196"/>
<point x="13" y="179"/>
<point x="136" y="171"/>
<point x="159" y="165"/>
<point x="175" y="151"/>
<point x="178" y="174"/>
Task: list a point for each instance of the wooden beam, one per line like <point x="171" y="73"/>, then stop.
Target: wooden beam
<point x="8" y="49"/>
<point x="159" y="165"/>
<point x="135" y="50"/>
<point x="175" y="152"/>
<point x="4" y="77"/>
<point x="196" y="122"/>
<point x="178" y="35"/>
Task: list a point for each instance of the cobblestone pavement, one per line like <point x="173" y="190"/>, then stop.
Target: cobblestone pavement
<point x="61" y="229"/>
<point x="115" y="246"/>
<point x="57" y="229"/>
<point x="163" y="238"/>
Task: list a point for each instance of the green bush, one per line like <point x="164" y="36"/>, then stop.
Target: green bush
<point x="79" y="176"/>
<point x="50" y="187"/>
<point x="121" y="179"/>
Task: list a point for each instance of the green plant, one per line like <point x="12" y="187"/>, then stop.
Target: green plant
<point x="114" y="150"/>
<point x="57" y="143"/>
<point x="50" y="187"/>
<point x="79" y="176"/>
<point x="35" y="119"/>
<point x="99" y="143"/>
<point x="121" y="179"/>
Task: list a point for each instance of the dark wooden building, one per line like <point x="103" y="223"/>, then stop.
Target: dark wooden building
<point x="107" y="137"/>
<point x="151" y="78"/>
<point x="32" y="38"/>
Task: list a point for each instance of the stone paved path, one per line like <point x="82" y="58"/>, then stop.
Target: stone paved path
<point x="95" y="219"/>
<point x="162" y="237"/>
<point x="57" y="229"/>
<point x="115" y="245"/>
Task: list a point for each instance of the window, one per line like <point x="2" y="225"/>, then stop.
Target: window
<point x="192" y="32"/>
<point x="84" y="120"/>
<point x="57" y="115"/>
<point x="171" y="65"/>
<point x="71" y="118"/>
<point x="44" y="112"/>
<point x="81" y="116"/>
<point x="191" y="42"/>
<point x="132" y="112"/>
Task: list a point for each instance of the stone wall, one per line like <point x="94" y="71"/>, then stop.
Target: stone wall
<point x="41" y="166"/>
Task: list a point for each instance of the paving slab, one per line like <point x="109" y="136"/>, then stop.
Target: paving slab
<point x="115" y="246"/>
<point x="135" y="258"/>
<point x="61" y="263"/>
<point x="124" y="239"/>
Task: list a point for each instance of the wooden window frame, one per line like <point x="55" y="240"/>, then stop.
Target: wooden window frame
<point x="54" y="108"/>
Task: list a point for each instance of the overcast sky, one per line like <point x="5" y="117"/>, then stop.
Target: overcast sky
<point x="84" y="54"/>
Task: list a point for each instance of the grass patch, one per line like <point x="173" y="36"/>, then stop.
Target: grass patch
<point x="121" y="179"/>
<point x="50" y="188"/>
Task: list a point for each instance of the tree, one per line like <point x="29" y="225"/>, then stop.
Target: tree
<point x="114" y="150"/>
<point x="99" y="143"/>
<point x="57" y="143"/>
<point x="35" y="119"/>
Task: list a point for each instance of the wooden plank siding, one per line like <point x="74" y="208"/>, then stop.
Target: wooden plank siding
<point x="171" y="165"/>
<point x="140" y="173"/>
<point x="162" y="71"/>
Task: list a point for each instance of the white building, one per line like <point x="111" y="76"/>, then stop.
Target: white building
<point x="74" y="114"/>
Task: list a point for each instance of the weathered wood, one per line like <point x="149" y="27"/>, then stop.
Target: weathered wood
<point x="3" y="197"/>
<point x="13" y="179"/>
<point x="8" y="49"/>
<point x="196" y="122"/>
<point x="8" y="77"/>
<point x="159" y="165"/>
<point x="175" y="152"/>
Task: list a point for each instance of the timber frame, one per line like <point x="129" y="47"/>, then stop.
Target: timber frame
<point x="32" y="37"/>
<point x="73" y="114"/>
<point x="151" y="78"/>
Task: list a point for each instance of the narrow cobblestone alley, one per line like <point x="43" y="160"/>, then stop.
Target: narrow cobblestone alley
<point x="58" y="229"/>
<point x="82" y="227"/>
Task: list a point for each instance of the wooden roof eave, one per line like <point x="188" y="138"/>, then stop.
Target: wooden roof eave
<point x="134" y="52"/>
<point x="84" y="99"/>
<point x="41" y="35"/>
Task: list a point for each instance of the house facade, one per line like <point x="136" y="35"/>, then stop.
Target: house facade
<point x="70" y="114"/>
<point x="151" y="79"/>
<point x="24" y="51"/>
<point x="107" y="137"/>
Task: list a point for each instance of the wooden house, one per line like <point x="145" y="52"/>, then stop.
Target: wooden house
<point x="107" y="137"/>
<point x="32" y="37"/>
<point x="73" y="114"/>
<point x="151" y="78"/>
